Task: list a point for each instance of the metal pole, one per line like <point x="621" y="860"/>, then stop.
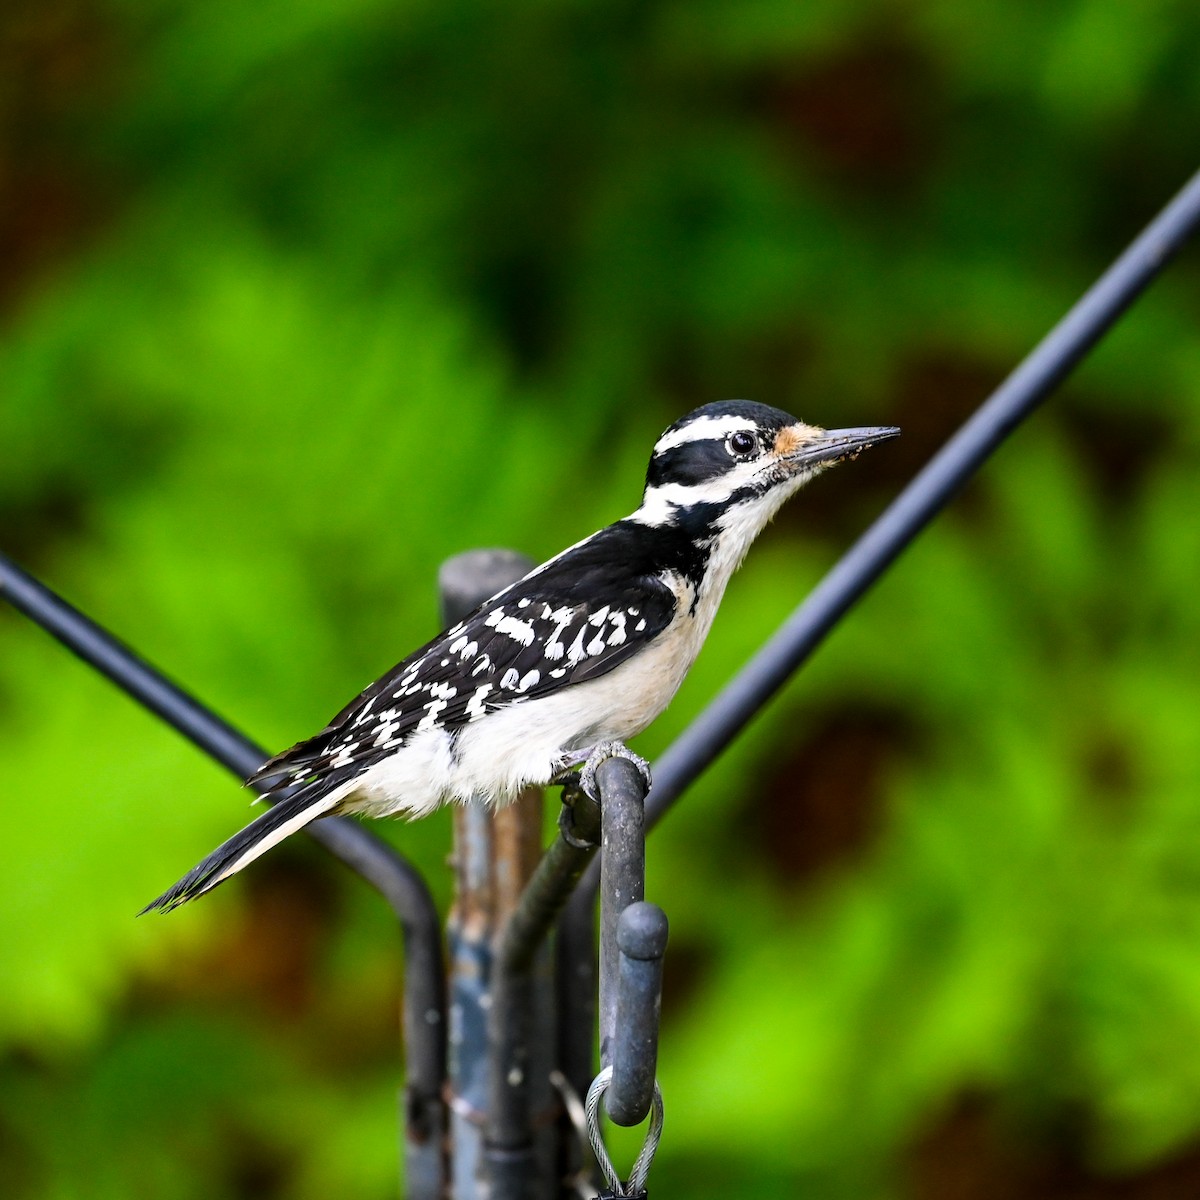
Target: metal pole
<point x="391" y="875"/>
<point x="520" y="1043"/>
<point x="576" y="986"/>
<point x="493" y="1057"/>
<point x="468" y="935"/>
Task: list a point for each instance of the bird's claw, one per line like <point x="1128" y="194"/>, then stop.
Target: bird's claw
<point x="601" y="753"/>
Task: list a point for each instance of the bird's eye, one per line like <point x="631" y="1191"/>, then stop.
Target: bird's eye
<point x="742" y="443"/>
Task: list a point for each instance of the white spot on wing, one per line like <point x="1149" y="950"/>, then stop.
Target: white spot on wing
<point x="577" y="652"/>
<point x="385" y="732"/>
<point x="519" y="631"/>
<point x="475" y="709"/>
<point x="561" y="617"/>
<point x="431" y="717"/>
<point x="345" y="755"/>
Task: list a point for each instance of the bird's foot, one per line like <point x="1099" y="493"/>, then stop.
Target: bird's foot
<point x="602" y="752"/>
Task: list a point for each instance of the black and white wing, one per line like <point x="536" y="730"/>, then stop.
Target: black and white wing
<point x="574" y="619"/>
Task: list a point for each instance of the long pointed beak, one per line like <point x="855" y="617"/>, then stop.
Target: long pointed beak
<point x="835" y="445"/>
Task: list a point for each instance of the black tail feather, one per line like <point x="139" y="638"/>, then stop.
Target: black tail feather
<point x="245" y="845"/>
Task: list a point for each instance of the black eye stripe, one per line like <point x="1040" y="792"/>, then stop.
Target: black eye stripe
<point x="691" y="463"/>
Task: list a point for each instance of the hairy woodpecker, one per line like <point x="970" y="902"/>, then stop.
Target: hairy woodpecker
<point x="586" y="649"/>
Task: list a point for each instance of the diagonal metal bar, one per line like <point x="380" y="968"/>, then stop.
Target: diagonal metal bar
<point x="391" y="875"/>
<point x="929" y="492"/>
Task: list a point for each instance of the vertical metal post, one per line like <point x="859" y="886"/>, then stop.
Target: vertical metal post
<point x="470" y="948"/>
<point x="522" y="1033"/>
<point x="495" y="854"/>
<point x="520" y="1139"/>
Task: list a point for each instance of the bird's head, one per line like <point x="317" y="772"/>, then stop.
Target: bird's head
<point x="732" y="464"/>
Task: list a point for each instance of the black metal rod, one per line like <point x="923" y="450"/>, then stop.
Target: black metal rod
<point x="557" y="874"/>
<point x="576" y="985"/>
<point x="553" y="882"/>
<point x="376" y="862"/>
<point x="934" y="486"/>
<point x="642" y="942"/>
<point x="150" y="688"/>
<point x="575" y="998"/>
<point x="622" y="876"/>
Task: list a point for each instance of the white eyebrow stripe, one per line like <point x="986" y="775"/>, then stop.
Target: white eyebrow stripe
<point x="703" y="429"/>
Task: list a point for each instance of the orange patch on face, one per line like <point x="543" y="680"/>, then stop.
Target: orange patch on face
<point x="794" y="437"/>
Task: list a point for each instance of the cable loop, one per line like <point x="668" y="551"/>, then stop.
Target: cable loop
<point x="636" y="1184"/>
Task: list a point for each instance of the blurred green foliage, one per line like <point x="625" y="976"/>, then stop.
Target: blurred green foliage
<point x="301" y="298"/>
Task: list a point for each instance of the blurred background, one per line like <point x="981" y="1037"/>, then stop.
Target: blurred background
<point x="297" y="299"/>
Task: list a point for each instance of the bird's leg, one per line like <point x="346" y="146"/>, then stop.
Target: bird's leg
<point x="590" y="759"/>
<point x="599" y="753"/>
<point x="565" y="765"/>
